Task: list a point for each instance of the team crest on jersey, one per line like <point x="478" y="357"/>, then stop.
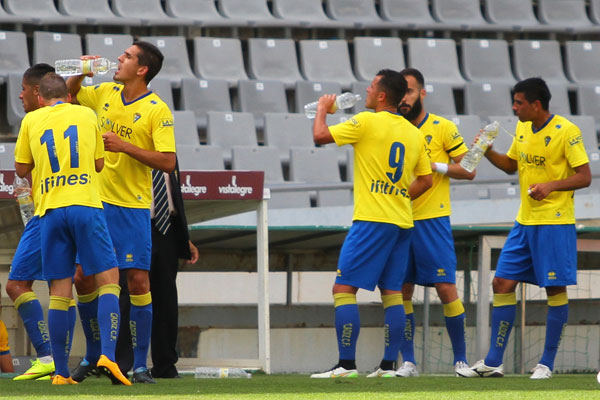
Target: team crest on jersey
<point x="106" y="105"/>
<point x="547" y="140"/>
<point x="354" y="122"/>
<point x="166" y="122"/>
<point x="136" y="116"/>
<point x="428" y="139"/>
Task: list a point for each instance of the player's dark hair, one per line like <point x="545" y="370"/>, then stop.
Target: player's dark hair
<point x="534" y="89"/>
<point x="393" y="84"/>
<point x="415" y="73"/>
<point x="151" y="57"/>
<point x="53" y="86"/>
<point x="35" y="73"/>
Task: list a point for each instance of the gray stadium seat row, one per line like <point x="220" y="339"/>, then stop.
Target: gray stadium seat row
<point x="568" y="16"/>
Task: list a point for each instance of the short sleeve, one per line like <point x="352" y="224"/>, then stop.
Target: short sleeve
<point x="574" y="148"/>
<point x="454" y="144"/>
<point x="163" y="134"/>
<point x="88" y="95"/>
<point x="23" y="153"/>
<point x="351" y="130"/>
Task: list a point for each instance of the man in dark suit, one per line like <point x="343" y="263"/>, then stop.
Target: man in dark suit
<point x="168" y="246"/>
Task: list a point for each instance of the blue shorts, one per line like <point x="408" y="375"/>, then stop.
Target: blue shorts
<point x="68" y="231"/>
<point x="27" y="261"/>
<point x="432" y="257"/>
<point x="131" y="234"/>
<point x="545" y="255"/>
<point x="374" y="254"/>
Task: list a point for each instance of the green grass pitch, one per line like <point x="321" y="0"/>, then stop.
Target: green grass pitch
<point x="286" y="387"/>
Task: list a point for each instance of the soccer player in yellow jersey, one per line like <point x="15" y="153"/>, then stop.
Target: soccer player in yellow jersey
<point x="391" y="168"/>
<point x="64" y="144"/>
<point x="5" y="358"/>
<point x="433" y="260"/>
<point x="137" y="128"/>
<point x="541" y="248"/>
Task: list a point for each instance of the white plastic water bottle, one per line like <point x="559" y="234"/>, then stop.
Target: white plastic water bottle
<point x="476" y="152"/>
<point x="99" y="66"/>
<point x="217" y="372"/>
<point x="23" y="191"/>
<point x="343" y="101"/>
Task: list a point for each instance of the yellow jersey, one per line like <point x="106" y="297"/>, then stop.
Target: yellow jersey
<point x="549" y="154"/>
<point x="389" y="152"/>
<point x="443" y="142"/>
<point x="146" y="123"/>
<point x="62" y="141"/>
<point x="4" y="347"/>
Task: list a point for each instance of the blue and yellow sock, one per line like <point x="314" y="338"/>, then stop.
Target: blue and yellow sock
<point x="108" y="318"/>
<point x="407" y="345"/>
<point x="454" y="313"/>
<point x="503" y="318"/>
<point x="88" y="314"/>
<point x="58" y="323"/>
<point x="558" y="314"/>
<point x="72" y="319"/>
<point x="32" y="314"/>
<point x="140" y="324"/>
<point x="347" y="326"/>
<point x="393" y="327"/>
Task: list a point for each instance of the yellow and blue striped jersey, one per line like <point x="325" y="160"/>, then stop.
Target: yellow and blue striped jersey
<point x="146" y="123"/>
<point x="443" y="142"/>
<point x="389" y="152"/>
<point x="63" y="142"/>
<point x="549" y="154"/>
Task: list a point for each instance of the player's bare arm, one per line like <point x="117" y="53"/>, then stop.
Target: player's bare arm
<point x="420" y="185"/>
<point x="455" y="171"/>
<point x="321" y="133"/>
<point x="23" y="169"/>
<point x="501" y="161"/>
<point x="154" y="159"/>
<point x="582" y="178"/>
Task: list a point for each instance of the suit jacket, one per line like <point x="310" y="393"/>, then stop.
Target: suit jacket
<point x="179" y="221"/>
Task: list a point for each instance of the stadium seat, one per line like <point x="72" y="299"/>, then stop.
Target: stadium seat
<point x="360" y="87"/>
<point x="439" y="99"/>
<point x="486" y="60"/>
<point x="273" y="59"/>
<point x="149" y="12"/>
<point x="201" y="12"/>
<point x="228" y="129"/>
<point x="341" y="152"/>
<point x="515" y="15"/>
<point x="49" y="47"/>
<point x="201" y="96"/>
<point x="13" y="54"/>
<point x="569" y="15"/>
<point x="162" y="87"/>
<point x="468" y="126"/>
<point x="587" y="127"/>
<point x="109" y="46"/>
<point x="326" y="60"/>
<point x="468" y="191"/>
<point x="216" y="58"/>
<point x="588" y="101"/>
<point x="14" y="106"/>
<point x="259" y="97"/>
<point x="40" y="12"/>
<point x="581" y="61"/>
<point x="408" y="14"/>
<point x="538" y="58"/>
<point x="307" y="92"/>
<point x="319" y="165"/>
<point x="185" y="128"/>
<point x="372" y="54"/>
<point x="436" y="59"/>
<point x="200" y="158"/>
<point x="485" y="99"/>
<point x="284" y="131"/>
<point x="176" y="64"/>
<point x="559" y="103"/>
<point x="94" y="12"/>
<point x="307" y="13"/>
<point x="595" y="11"/>
<point x="509" y="190"/>
<point x="465" y="14"/>
<point x="267" y="159"/>
<point x="361" y="13"/>
<point x="256" y="12"/>
<point x="7" y="156"/>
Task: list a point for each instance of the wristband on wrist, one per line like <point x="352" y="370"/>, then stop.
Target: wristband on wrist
<point x="441" y="168"/>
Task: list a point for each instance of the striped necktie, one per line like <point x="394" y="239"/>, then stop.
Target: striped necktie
<point x="161" y="202"/>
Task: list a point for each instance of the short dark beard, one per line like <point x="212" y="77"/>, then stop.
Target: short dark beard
<point x="414" y="111"/>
